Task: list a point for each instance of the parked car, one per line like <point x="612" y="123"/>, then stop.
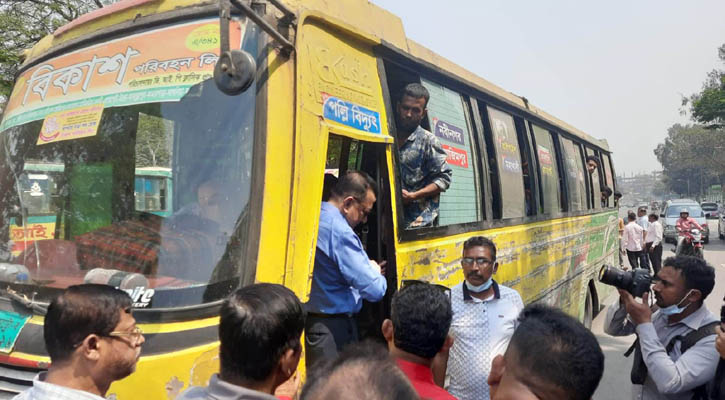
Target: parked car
<point x="671" y="213"/>
<point x="712" y="210"/>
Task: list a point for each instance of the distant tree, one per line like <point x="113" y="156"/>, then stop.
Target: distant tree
<point x="691" y="158"/>
<point x="25" y="22"/>
<point x="708" y="106"/>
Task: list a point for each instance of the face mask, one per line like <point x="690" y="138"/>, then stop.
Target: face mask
<point x="675" y="308"/>
<point x="480" y="288"/>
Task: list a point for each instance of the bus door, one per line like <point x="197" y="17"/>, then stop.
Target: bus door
<point x="376" y="234"/>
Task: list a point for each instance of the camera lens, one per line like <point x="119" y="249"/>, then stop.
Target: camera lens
<point x="615" y="277"/>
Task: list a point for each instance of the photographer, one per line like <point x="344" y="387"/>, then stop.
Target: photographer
<point x="675" y="354"/>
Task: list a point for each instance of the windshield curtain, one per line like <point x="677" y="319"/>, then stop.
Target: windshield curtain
<point x="153" y="200"/>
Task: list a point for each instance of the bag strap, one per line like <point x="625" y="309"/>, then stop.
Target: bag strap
<point x="693" y="337"/>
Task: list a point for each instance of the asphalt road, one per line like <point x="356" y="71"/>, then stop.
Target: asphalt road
<point x="615" y="384"/>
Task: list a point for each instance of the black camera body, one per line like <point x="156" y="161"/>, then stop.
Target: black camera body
<point x="637" y="281"/>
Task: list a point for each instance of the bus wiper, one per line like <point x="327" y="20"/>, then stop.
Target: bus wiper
<point x="30" y="304"/>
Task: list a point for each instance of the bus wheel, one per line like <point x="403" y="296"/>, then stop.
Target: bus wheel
<point x="588" y="310"/>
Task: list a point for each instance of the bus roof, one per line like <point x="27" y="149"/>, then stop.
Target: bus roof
<point x="359" y="14"/>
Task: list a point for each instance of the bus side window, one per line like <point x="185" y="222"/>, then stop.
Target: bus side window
<point x="508" y="163"/>
<point x="527" y="167"/>
<point x="574" y="172"/>
<point x="609" y="178"/>
<point x="460" y="203"/>
<point x="548" y="170"/>
<point x="595" y="181"/>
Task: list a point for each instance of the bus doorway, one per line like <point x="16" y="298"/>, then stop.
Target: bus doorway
<point x="376" y="234"/>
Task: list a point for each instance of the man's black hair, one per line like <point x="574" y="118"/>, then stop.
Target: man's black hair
<point x="416" y="91"/>
<point x="480" y="241"/>
<point x="595" y="159"/>
<point x="607" y="191"/>
<point x="552" y="348"/>
<point x="259" y="323"/>
<point x="421" y="315"/>
<point x="617" y="194"/>
<point x="696" y="272"/>
<point x="654" y="216"/>
<point x="355" y="184"/>
<point x="362" y="371"/>
<point x="82" y="310"/>
<point x="631" y="216"/>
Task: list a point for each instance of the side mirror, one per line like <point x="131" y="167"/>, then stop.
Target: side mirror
<point x="234" y="72"/>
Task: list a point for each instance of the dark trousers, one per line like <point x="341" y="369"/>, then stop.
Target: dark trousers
<point x="326" y="335"/>
<point x="655" y="256"/>
<point x="635" y="258"/>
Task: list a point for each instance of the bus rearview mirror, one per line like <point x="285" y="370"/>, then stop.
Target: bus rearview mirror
<point x="234" y="72"/>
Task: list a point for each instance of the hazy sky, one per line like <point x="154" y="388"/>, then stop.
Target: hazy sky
<point x="614" y="69"/>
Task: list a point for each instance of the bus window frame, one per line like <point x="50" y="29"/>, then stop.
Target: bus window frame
<point x="557" y="155"/>
<point x="407" y="235"/>
<point x="478" y="98"/>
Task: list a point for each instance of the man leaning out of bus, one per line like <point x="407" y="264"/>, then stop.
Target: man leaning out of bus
<point x="92" y="341"/>
<point x="424" y="171"/>
<point x="492" y="308"/>
<point x="259" y="330"/>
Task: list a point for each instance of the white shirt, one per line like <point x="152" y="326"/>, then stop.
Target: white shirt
<point x="42" y="390"/>
<point x="654" y="233"/>
<point x="643" y="221"/>
<point x="481" y="330"/>
<point x="632" y="237"/>
<point x="669" y="376"/>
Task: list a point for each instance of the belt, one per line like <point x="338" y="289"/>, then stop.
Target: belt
<point x="320" y="315"/>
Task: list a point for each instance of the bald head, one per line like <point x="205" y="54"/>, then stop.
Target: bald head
<point x="362" y="372"/>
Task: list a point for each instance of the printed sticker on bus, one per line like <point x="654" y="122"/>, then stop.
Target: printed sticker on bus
<point x="71" y="124"/>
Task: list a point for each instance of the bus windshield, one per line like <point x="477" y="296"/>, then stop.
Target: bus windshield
<point x="142" y="184"/>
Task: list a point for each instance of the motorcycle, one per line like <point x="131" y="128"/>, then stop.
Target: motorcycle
<point x="692" y="244"/>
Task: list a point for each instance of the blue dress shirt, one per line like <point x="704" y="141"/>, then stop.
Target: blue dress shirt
<point x="342" y="276"/>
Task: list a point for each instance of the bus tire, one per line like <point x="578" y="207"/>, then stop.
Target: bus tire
<point x="588" y="310"/>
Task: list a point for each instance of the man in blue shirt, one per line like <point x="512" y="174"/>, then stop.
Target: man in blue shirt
<point x="424" y="172"/>
<point x="343" y="275"/>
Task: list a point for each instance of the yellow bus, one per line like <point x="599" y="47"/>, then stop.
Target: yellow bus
<point x="247" y="114"/>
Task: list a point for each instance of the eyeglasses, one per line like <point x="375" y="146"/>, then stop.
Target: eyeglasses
<point x="365" y="213"/>
<point x="134" y="335"/>
<point x="482" y="261"/>
<point x="408" y="282"/>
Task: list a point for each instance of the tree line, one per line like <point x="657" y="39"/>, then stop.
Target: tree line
<point x="692" y="154"/>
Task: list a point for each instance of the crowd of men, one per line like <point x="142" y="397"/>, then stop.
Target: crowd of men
<point x="475" y="340"/>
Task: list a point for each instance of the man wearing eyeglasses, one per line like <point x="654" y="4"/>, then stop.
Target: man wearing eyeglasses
<point x="92" y="340"/>
<point x="343" y="275"/>
<point x="484" y="317"/>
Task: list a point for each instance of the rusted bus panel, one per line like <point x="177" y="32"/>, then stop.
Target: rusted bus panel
<point x="552" y="261"/>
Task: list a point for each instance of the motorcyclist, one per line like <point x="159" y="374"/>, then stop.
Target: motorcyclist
<point x="684" y="224"/>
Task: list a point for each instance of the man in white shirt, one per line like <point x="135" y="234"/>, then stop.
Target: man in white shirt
<point x="484" y="318"/>
<point x="92" y="340"/>
<point x="643" y="221"/>
<point x="632" y="239"/>
<point x="653" y="242"/>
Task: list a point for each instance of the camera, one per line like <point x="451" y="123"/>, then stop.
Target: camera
<point x="636" y="282"/>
